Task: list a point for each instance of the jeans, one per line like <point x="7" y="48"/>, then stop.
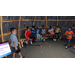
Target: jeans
<point x="56" y="35"/>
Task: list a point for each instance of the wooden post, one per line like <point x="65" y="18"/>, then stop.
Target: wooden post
<point x="46" y="22"/>
<point x="19" y="29"/>
<point x="34" y="20"/>
<point x="57" y="20"/>
<point x="1" y="27"/>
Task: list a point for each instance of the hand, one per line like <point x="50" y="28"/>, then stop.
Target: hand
<point x="16" y="48"/>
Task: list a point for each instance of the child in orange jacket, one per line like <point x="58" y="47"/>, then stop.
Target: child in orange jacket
<point x="69" y="34"/>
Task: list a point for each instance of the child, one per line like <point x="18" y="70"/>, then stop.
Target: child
<point x="61" y="34"/>
<point x="14" y="43"/>
<point x="51" y="31"/>
<point x="39" y="37"/>
<point x="33" y="33"/>
<point x="69" y="34"/>
<point x="27" y="35"/>
<point x="57" y="32"/>
<point x="43" y="32"/>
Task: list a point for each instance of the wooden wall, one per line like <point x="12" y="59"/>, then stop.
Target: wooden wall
<point x="20" y="23"/>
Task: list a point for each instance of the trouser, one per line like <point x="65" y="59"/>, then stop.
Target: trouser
<point x="33" y="39"/>
<point x="28" y="38"/>
<point x="56" y="35"/>
<point x="39" y="36"/>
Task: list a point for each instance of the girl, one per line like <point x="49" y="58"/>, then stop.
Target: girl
<point x="51" y="31"/>
<point x="39" y="37"/>
<point x="43" y="32"/>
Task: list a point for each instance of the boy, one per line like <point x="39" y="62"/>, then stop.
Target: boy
<point x="39" y="37"/>
<point x="51" y="31"/>
<point x="27" y="35"/>
<point x="43" y="32"/>
<point x="33" y="34"/>
<point x="14" y="43"/>
<point x="69" y="34"/>
<point x="57" y="32"/>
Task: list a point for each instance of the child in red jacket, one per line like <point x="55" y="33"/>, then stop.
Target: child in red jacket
<point x="27" y="35"/>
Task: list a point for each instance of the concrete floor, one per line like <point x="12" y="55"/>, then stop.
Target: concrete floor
<point x="48" y="49"/>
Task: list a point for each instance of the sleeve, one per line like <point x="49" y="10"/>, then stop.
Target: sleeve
<point x="30" y="31"/>
<point x="25" y="33"/>
<point x="72" y="32"/>
<point x="14" y="38"/>
<point x="66" y="33"/>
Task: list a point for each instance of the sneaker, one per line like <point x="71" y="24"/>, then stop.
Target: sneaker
<point x="26" y="42"/>
<point x="58" y="40"/>
<point x="66" y="47"/>
<point x="55" y="40"/>
<point x="22" y="57"/>
<point x="44" y="40"/>
<point x="31" y="43"/>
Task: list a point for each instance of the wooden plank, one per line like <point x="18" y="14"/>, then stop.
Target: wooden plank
<point x="34" y="20"/>
<point x="1" y="26"/>
<point x="38" y="20"/>
<point x="27" y="20"/>
<point x="9" y="20"/>
<point x="19" y="29"/>
<point x="46" y="23"/>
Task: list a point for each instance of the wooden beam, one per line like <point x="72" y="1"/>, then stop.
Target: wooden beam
<point x="19" y="29"/>
<point x="9" y="20"/>
<point x="46" y="23"/>
<point x="34" y="20"/>
<point x="1" y="26"/>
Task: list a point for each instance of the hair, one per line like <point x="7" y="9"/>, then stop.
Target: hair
<point x="57" y="26"/>
<point x="37" y="27"/>
<point x="50" y="27"/>
<point x="33" y="26"/>
<point x="12" y="29"/>
<point x="43" y="26"/>
<point x="69" y="27"/>
<point x="27" y="27"/>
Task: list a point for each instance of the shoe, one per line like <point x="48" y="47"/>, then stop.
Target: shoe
<point x="44" y="40"/>
<point x="66" y="47"/>
<point x="23" y="56"/>
<point x="58" y="40"/>
<point x="55" y="40"/>
<point x="26" y="42"/>
<point x="31" y="43"/>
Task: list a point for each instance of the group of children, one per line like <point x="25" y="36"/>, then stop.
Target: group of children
<point x="35" y="34"/>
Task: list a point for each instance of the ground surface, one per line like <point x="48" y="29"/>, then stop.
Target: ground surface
<point x="48" y="49"/>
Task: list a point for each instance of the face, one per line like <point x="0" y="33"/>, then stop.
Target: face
<point x="14" y="31"/>
<point x="69" y="29"/>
